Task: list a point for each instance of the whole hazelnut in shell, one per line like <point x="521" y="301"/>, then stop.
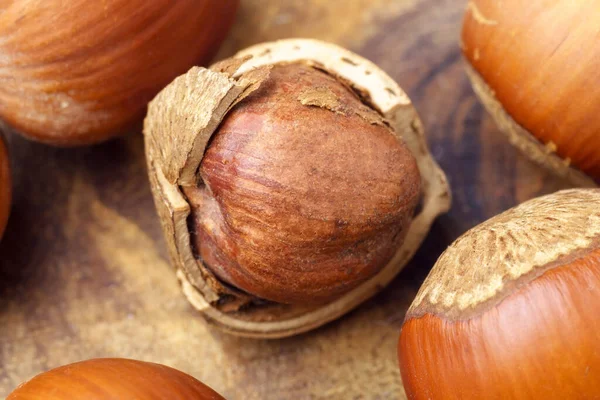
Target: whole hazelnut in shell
<point x="535" y="66"/>
<point x="511" y="309"/>
<point x="287" y="180"/>
<point x="81" y="71"/>
<point x="113" y="379"/>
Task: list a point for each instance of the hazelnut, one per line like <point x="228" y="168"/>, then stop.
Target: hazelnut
<point x="510" y="309"/>
<point x="534" y="65"/>
<point x="287" y="180"/>
<point x="82" y="71"/>
<point x="296" y="205"/>
<point x="113" y="379"/>
<point x="5" y="186"/>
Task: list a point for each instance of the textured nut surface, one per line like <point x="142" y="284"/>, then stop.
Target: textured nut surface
<point x="81" y="71"/>
<point x="485" y="264"/>
<point x="541" y="63"/>
<point x="541" y="342"/>
<point x="308" y="192"/>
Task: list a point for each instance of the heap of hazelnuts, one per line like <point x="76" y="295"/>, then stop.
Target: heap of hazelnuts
<point x="293" y="182"/>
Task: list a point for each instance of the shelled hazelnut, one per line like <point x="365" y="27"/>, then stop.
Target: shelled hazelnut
<point x="287" y="180"/>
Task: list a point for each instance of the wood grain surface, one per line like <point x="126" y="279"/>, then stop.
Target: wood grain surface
<point x="83" y="265"/>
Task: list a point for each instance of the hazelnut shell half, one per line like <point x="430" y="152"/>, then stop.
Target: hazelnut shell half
<point x="179" y="125"/>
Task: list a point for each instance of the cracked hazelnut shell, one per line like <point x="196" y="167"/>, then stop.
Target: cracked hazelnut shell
<point x="286" y="179"/>
<point x="5" y="186"/>
<point x="82" y="71"/>
<point x="113" y="379"/>
<point x="534" y="65"/>
<point x="511" y="309"/>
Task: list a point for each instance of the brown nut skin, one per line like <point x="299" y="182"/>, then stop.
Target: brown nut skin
<point x="540" y="61"/>
<point x="82" y="71"/>
<point x="511" y="310"/>
<point x="307" y="193"/>
<point x="5" y="186"/>
<point x="113" y="379"/>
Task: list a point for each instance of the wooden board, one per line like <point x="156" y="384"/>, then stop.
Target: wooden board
<point x="83" y="266"/>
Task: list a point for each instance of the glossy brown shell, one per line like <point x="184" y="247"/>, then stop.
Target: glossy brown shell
<point x="113" y="379"/>
<point x="510" y="310"/>
<point x="81" y="71"/>
<point x="180" y="122"/>
<point x="534" y="65"/>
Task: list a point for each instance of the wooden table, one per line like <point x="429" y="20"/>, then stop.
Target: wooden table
<point x="83" y="266"/>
